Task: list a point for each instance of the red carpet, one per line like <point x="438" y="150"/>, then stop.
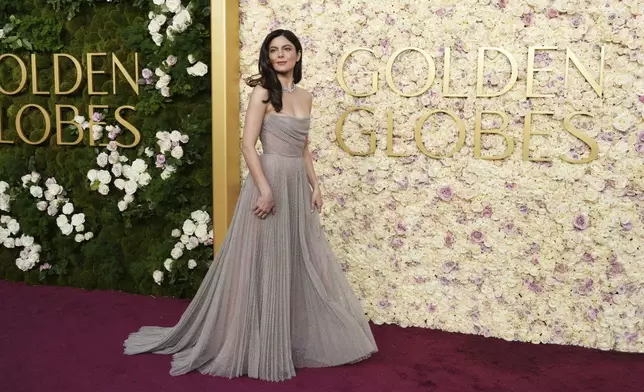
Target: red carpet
<point x="69" y="340"/>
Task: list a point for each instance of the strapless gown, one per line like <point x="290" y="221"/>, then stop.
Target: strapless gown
<point x="275" y="297"/>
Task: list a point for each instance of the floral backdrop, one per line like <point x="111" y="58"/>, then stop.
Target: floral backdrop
<point x="133" y="219"/>
<point x="544" y="252"/>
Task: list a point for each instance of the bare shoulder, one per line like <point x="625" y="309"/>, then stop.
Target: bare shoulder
<point x="306" y="94"/>
<point x="259" y="92"/>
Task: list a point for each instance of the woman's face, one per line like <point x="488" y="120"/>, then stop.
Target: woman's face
<point x="282" y="54"/>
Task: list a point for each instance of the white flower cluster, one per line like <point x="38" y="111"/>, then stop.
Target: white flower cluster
<point x="30" y="255"/>
<point x="5" y="199"/>
<point x="197" y="68"/>
<point x="195" y="232"/>
<point x="9" y="227"/>
<point x="163" y="81"/>
<point x="168" y="142"/>
<point x="55" y="201"/>
<point x="179" y="22"/>
<point x="128" y="178"/>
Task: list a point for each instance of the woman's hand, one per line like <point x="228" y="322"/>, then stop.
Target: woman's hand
<point x="316" y="200"/>
<point x="264" y="205"/>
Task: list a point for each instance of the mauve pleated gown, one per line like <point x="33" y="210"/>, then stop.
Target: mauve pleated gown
<point x="274" y="298"/>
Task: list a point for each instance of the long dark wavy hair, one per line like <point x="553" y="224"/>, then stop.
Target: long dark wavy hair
<point x="267" y="77"/>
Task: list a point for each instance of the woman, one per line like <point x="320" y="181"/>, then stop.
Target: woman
<point x="274" y="298"/>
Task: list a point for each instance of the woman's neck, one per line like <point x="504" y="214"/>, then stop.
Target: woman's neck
<point x="286" y="79"/>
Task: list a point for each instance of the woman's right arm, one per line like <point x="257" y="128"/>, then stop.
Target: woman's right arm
<point x="252" y="127"/>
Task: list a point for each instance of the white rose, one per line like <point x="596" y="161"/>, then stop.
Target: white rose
<point x="92" y="175"/>
<point x="128" y="198"/>
<point x="114" y="157"/>
<point x="149" y="152"/>
<point x="185" y="238"/>
<point x="49" y="196"/>
<point x="170" y="33"/>
<point x="117" y="170"/>
<point x="164" y="145"/>
<point x="192" y="264"/>
<point x="26" y="240"/>
<point x="199" y="69"/>
<point x="166" y="174"/>
<point x="80" y="228"/>
<point x="154" y="26"/>
<point x="193" y="242"/>
<point x="52" y="210"/>
<point x="67" y="229"/>
<point x="177" y="152"/>
<point x="35" y="177"/>
<point x="79" y="238"/>
<point x="176" y="233"/>
<point x="201" y="232"/>
<point x="163" y="81"/>
<point x="79" y="119"/>
<point x="130" y="173"/>
<point x="119" y="183"/>
<point x="167" y="264"/>
<point x="176" y="253"/>
<point x="175" y="136"/>
<point x="103" y="189"/>
<point x="191" y="59"/>
<point x="171" y="60"/>
<point x="50" y="181"/>
<point x="200" y="216"/>
<point x="41" y="205"/>
<point x="13" y="226"/>
<point x="17" y="242"/>
<point x="165" y="91"/>
<point x="89" y="235"/>
<point x="122" y="205"/>
<point x="55" y="189"/>
<point x="185" y="139"/>
<point x="62" y="220"/>
<point x="78" y="219"/>
<point x="160" y="19"/>
<point x="157" y="38"/>
<point x="4" y="186"/>
<point x="181" y="21"/>
<point x="104" y="177"/>
<point x="9" y="243"/>
<point x="4" y="219"/>
<point x="68" y="208"/>
<point x="97" y="132"/>
<point x="131" y="187"/>
<point x="159" y="2"/>
<point x="139" y="165"/>
<point x="145" y="179"/>
<point x="159" y="72"/>
<point x="189" y="227"/>
<point x="102" y="159"/>
<point x="157" y="275"/>
<point x="173" y="5"/>
<point x="35" y="191"/>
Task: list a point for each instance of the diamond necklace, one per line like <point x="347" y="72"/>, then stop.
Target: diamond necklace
<point x="289" y="89"/>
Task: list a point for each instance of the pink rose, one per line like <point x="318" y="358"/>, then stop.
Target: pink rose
<point x="477" y="236"/>
<point x="581" y="222"/>
<point x="445" y="193"/>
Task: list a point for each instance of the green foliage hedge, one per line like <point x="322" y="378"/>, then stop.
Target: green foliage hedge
<point x="128" y="246"/>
